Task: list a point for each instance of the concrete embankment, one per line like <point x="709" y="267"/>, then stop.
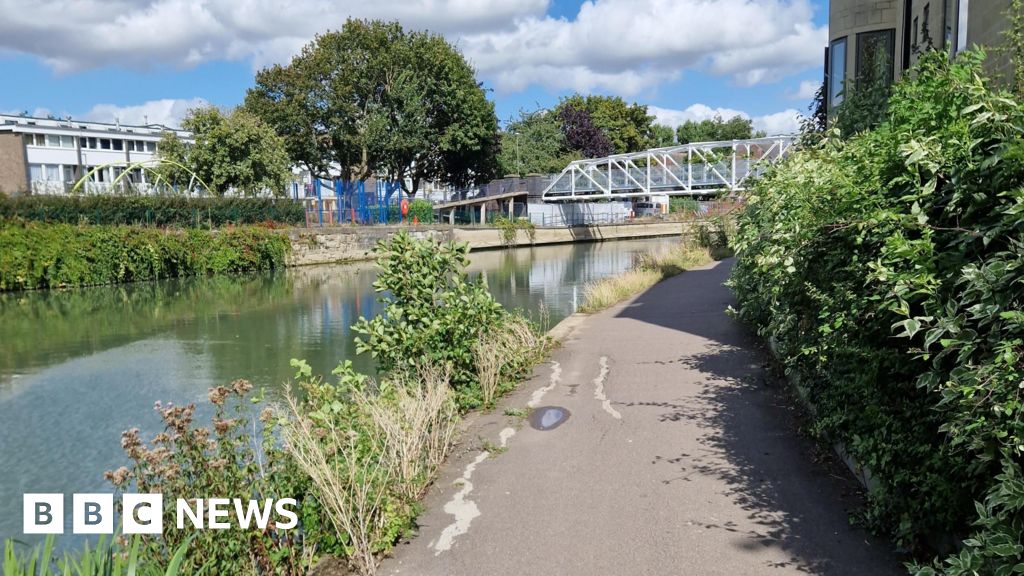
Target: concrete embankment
<point x="345" y="244"/>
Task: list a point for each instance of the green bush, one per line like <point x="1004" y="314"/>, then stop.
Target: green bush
<point x="889" y="271"/>
<point x="35" y="255"/>
<point x="435" y="314"/>
<point x="422" y="210"/>
<point x="159" y="211"/>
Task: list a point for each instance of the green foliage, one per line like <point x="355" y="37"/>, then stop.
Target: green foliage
<point x="109" y="557"/>
<point x="628" y="126"/>
<point x="888" y="269"/>
<point x="178" y="211"/>
<point x="510" y="229"/>
<point x="36" y="255"/>
<point x="377" y="99"/>
<point x="223" y="460"/>
<point x="422" y="210"/>
<point x="716" y="129"/>
<point x="534" y="143"/>
<point x="715" y="234"/>
<point x="662" y="136"/>
<point x="434" y="312"/>
<point x="234" y="151"/>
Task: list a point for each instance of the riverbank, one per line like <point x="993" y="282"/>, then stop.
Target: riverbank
<point x="351" y="244"/>
<point x="51" y="255"/>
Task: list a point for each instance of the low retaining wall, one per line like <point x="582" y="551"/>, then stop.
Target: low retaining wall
<point x="346" y="244"/>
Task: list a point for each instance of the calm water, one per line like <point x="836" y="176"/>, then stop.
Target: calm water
<point x="79" y="367"/>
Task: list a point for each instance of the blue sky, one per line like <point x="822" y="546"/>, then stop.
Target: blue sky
<point x="150" y="60"/>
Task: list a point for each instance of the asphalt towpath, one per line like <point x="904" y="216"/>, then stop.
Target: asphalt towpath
<point x="676" y="457"/>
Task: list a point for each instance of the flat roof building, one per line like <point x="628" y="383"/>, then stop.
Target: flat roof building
<point x="49" y="155"/>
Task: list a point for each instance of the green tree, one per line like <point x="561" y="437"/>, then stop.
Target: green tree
<point x="234" y="151"/>
<point x="534" y="143"/>
<point x="662" y="136"/>
<point x="717" y="129"/>
<point x="377" y="99"/>
<point x="628" y="126"/>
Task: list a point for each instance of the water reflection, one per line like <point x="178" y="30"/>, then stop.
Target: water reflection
<point x="78" y="367"/>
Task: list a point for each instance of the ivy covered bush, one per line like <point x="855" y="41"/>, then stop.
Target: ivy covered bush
<point x="888" y="271"/>
<point x="158" y="211"/>
<point x="35" y="255"/>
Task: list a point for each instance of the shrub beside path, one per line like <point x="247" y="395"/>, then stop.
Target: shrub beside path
<point x="678" y="458"/>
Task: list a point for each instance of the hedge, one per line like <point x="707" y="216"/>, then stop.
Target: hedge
<point x="888" y="269"/>
<point x="39" y="255"/>
<point x="158" y="211"/>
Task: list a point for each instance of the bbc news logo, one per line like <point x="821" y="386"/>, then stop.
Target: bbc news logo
<point x="144" y="513"/>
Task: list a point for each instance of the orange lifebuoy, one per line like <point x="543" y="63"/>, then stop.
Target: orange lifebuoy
<point x="405" y="207"/>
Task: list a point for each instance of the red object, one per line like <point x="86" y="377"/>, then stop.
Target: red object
<point x="405" y="207"/>
<point x="415" y="219"/>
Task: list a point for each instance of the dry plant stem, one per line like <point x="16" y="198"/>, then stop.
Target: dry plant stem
<point x="349" y="489"/>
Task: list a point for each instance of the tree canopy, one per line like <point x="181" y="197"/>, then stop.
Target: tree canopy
<point x="627" y="126"/>
<point x="376" y="99"/>
<point x="717" y="129"/>
<point x="534" y="143"/>
<point x="234" y="151"/>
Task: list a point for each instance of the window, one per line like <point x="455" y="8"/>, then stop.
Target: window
<point x="118" y="144"/>
<point x="35" y="172"/>
<point x="875" y="57"/>
<point x="52" y="172"/>
<point x="150" y="146"/>
<point x="53" y="140"/>
<point x="961" y="26"/>
<point x="35" y="140"/>
<point x="67" y="142"/>
<point x="837" y="72"/>
<point x="104" y="143"/>
<point x="69" y="174"/>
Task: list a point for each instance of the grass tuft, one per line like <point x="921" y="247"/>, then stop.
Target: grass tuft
<point x="649" y="269"/>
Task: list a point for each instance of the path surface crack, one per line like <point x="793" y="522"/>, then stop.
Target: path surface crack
<point x="599" y="389"/>
<point x="553" y="380"/>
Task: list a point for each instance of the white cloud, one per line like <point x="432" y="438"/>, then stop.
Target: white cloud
<point x="806" y="90"/>
<point x="168" y="112"/>
<point x="618" y="46"/>
<point x="72" y="35"/>
<point x="750" y="41"/>
<point x="785" y="122"/>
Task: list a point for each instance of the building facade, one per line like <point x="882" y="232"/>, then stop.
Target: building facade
<point x="879" y="39"/>
<point x="48" y="156"/>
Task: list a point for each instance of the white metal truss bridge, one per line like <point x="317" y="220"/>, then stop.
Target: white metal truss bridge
<point x="696" y="169"/>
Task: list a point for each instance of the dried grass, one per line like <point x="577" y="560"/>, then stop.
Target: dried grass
<point x="648" y="269"/>
<point x="501" y="351"/>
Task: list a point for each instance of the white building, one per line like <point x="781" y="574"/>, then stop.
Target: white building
<point x="48" y="156"/>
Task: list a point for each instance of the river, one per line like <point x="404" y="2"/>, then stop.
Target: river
<point x="78" y="367"/>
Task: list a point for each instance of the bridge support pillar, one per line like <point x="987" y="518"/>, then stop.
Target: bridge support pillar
<point x="483" y="213"/>
<point x="451" y="216"/>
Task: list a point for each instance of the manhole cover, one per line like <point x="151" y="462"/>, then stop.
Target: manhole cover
<point x="548" y="417"/>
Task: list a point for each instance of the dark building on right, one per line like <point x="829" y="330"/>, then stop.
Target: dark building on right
<point x="877" y="40"/>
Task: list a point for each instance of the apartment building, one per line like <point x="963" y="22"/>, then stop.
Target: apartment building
<point x="48" y="155"/>
<point x="880" y="39"/>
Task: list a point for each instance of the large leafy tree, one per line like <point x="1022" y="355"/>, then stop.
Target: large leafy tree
<point x="234" y="151"/>
<point x="582" y="134"/>
<point x="628" y="126"/>
<point x="374" y="98"/>
<point x="534" y="143"/>
<point x="662" y="136"/>
<point x="716" y="129"/>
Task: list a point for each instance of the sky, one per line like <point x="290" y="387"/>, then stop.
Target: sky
<point x="150" y="61"/>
